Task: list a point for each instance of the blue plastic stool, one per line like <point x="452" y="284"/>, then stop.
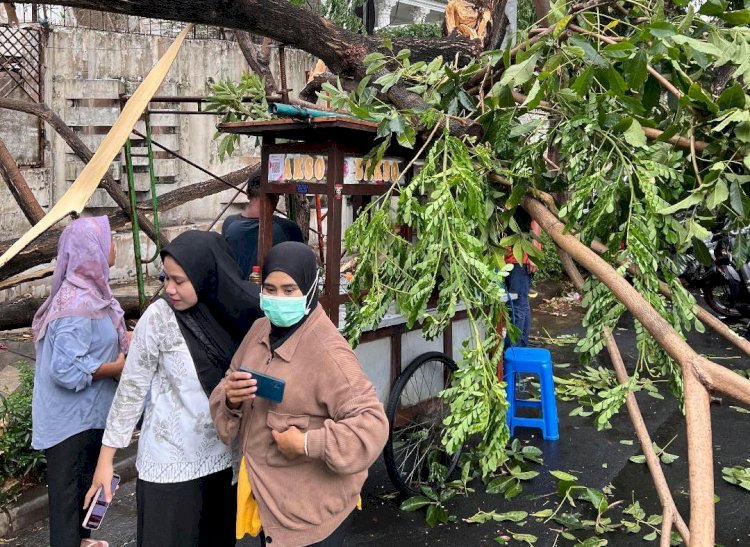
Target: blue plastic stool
<point x="537" y="361"/>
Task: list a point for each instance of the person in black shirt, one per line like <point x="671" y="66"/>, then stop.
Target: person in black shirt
<point x="241" y="230"/>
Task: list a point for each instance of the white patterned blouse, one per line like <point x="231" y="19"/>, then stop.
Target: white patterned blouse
<point x="178" y="440"/>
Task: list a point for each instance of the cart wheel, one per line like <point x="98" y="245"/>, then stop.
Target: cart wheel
<point x="414" y="455"/>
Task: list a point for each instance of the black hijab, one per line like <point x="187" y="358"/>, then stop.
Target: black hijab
<point x="298" y="261"/>
<point x="227" y="305"/>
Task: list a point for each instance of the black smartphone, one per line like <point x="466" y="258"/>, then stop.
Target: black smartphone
<point x="98" y="508"/>
<point x="269" y="387"/>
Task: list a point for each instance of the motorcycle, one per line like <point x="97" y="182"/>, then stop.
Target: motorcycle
<point x="725" y="288"/>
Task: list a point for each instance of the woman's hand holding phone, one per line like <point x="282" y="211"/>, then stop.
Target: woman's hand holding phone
<point x="240" y="387"/>
<point x="102" y="476"/>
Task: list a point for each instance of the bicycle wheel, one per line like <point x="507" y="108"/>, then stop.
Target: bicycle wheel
<point x="414" y="455"/>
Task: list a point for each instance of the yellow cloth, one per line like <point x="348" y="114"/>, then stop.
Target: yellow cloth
<point x="248" y="515"/>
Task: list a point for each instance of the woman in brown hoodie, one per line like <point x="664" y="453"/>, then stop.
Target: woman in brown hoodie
<point x="306" y="458"/>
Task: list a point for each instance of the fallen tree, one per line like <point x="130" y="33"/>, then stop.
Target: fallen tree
<point x="625" y="96"/>
<point x="18" y="314"/>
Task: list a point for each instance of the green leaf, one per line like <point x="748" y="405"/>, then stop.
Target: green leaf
<point x="736" y="198"/>
<point x="698" y="94"/>
<point x="718" y="195"/>
<point x="713" y="8"/>
<point x="693" y="199"/>
<point x="662" y="29"/>
<point x="510" y="516"/>
<point x="701" y="252"/>
<point x="739" y="17"/>
<point x="407" y="137"/>
<point x="561" y="25"/>
<point x="695" y="45"/>
<point x="527" y="538"/>
<point x="525" y="475"/>
<point x="563" y="476"/>
<point x="414" y="503"/>
<point x="619" y="50"/>
<point x="590" y="53"/>
<point x="638" y="459"/>
<point x="498" y="485"/>
<point x="374" y="56"/>
<point x="520" y="73"/>
<point x="582" y="83"/>
<point x="732" y="97"/>
<point x="635" y="135"/>
<point x="543" y="514"/>
<point x="433" y="516"/>
<point x="636" y="69"/>
<point x="534" y="97"/>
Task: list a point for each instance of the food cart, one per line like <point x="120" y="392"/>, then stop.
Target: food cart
<point x="324" y="157"/>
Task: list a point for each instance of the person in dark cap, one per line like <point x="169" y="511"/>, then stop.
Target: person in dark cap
<point x="241" y="230"/>
<point x="181" y="348"/>
<point x="306" y="458"/>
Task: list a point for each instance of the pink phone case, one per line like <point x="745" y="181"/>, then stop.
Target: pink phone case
<point x="98" y="508"/>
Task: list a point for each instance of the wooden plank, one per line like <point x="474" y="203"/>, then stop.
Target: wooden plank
<point x="26" y="277"/>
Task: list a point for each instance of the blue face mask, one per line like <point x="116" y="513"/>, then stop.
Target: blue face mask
<point x="285" y="311"/>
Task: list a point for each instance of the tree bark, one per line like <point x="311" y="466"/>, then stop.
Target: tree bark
<point x="636" y="418"/>
<point x="18" y="186"/>
<point x="699" y="374"/>
<point x="10" y="11"/>
<point x="259" y="61"/>
<point x="541" y="8"/>
<point x="44" y="249"/>
<point x="178" y="197"/>
<point x="342" y="51"/>
<point x="111" y="186"/>
<point x="498" y="27"/>
<point x="16" y="315"/>
<point x="703" y="315"/>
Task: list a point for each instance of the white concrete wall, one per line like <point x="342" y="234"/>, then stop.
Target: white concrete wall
<point x="83" y="64"/>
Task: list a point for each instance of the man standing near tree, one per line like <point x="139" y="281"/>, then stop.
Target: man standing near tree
<point x="241" y="230"/>
<point x="519" y="279"/>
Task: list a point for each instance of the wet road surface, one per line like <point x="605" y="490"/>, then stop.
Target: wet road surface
<point x="598" y="459"/>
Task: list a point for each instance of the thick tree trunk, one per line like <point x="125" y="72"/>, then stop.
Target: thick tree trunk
<point x="178" y="197"/>
<point x="499" y="26"/>
<point x="342" y="51"/>
<point x="43" y="250"/>
<point x="17" y="315"/>
<point x="10" y="11"/>
<point x="18" y="186"/>
<point x="82" y="151"/>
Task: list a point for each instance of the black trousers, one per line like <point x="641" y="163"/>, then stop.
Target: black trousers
<point x="196" y="513"/>
<point x="336" y="539"/>
<point x="70" y="468"/>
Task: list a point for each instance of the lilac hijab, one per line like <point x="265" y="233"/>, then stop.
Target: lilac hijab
<point x="80" y="284"/>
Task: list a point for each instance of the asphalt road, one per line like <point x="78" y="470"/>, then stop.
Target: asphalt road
<point x="599" y="459"/>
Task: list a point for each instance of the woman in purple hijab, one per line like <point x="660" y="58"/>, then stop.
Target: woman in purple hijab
<point x="80" y="339"/>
